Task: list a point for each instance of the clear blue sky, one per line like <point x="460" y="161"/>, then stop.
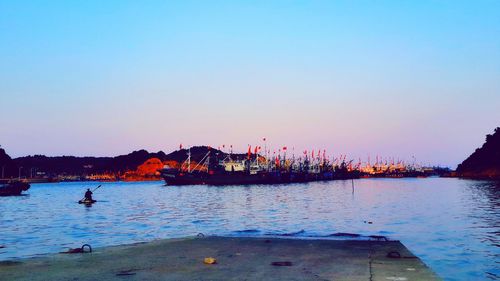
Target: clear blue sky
<point x="394" y="78"/>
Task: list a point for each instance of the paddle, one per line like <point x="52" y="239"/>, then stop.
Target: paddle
<point x="96" y="188"/>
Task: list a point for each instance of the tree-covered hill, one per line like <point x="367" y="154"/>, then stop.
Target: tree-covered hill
<point x="485" y="161"/>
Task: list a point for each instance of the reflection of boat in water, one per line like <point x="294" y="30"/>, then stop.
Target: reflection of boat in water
<point x="252" y="171"/>
<point x="13" y="187"/>
<point x="174" y="177"/>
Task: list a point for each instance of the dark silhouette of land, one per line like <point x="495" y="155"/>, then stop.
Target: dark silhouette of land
<point x="484" y="163"/>
<point x="8" y="167"/>
<point x="72" y="165"/>
<point x="136" y="166"/>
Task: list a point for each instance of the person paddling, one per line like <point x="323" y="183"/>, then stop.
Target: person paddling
<point x="87" y="199"/>
<point x="88" y="195"/>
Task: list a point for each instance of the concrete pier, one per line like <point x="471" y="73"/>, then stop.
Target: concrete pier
<point x="236" y="259"/>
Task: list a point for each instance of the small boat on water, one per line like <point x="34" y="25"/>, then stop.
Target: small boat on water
<point x="87" y="202"/>
<point x="13" y="187"/>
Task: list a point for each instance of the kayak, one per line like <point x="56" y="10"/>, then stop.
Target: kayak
<point x="87" y="202"/>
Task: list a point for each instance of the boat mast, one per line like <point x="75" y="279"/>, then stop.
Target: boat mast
<point x="208" y="161"/>
<point x="189" y="160"/>
<point x="265" y="152"/>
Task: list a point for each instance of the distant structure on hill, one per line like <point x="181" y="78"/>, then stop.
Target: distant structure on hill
<point x="484" y="163"/>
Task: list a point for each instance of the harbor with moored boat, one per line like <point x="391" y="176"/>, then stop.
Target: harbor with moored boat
<point x="218" y="168"/>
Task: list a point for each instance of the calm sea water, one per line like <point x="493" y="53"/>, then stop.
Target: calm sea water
<point x="452" y="224"/>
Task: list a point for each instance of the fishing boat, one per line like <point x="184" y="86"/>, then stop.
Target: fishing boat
<point x="13" y="187"/>
<point x="252" y="170"/>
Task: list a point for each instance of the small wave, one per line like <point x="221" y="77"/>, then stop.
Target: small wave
<point x="378" y="237"/>
<point x="344" y="234"/>
<point x="287" y="234"/>
<point x="247" y="231"/>
<point x="302" y="235"/>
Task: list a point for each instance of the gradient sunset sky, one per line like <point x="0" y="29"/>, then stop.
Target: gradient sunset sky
<point x="393" y="78"/>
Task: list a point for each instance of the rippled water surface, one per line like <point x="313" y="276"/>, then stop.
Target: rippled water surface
<point x="452" y="224"/>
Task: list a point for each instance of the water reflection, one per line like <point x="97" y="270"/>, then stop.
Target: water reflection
<point x="485" y="221"/>
<point x="452" y="224"/>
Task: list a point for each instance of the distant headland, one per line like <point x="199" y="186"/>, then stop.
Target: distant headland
<point x="484" y="163"/>
<point x="139" y="165"/>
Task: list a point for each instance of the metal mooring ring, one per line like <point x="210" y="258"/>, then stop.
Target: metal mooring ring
<point x="88" y="246"/>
